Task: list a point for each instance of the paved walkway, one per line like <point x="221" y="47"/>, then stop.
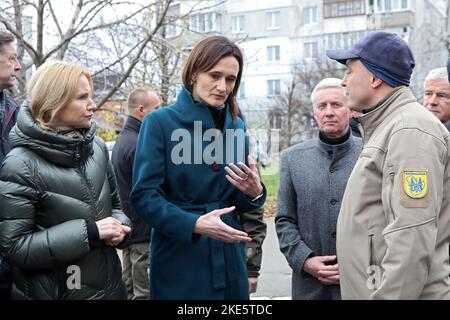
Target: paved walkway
<point x="275" y="276"/>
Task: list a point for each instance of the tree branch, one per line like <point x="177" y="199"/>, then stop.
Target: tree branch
<point x="86" y="30"/>
<point x="55" y="19"/>
<point x="28" y="47"/>
<point x="133" y="63"/>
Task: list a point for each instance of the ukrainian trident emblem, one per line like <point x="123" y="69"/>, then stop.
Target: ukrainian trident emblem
<point x="415" y="183"/>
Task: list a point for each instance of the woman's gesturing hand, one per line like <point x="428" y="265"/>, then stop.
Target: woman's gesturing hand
<point x="212" y="226"/>
<point x="245" y="178"/>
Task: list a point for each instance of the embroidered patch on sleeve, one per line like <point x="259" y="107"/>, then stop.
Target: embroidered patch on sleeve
<point x="415" y="183"/>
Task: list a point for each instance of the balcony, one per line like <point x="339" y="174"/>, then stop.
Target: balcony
<point x="385" y="20"/>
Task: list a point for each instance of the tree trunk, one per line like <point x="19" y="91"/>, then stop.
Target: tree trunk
<point x="20" y="49"/>
<point x="40" y="33"/>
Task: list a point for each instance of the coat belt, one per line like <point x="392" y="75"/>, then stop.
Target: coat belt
<point x="217" y="253"/>
<point x="216" y="247"/>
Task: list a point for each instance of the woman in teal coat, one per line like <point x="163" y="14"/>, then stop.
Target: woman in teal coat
<point x="192" y="179"/>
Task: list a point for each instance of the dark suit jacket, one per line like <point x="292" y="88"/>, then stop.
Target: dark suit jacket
<point x="122" y="160"/>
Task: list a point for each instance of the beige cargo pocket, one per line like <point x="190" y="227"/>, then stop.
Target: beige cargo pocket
<point x="390" y="193"/>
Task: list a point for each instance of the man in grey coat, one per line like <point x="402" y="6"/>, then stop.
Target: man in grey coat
<point x="312" y="182"/>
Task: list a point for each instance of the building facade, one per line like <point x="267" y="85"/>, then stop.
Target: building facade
<point x="283" y="40"/>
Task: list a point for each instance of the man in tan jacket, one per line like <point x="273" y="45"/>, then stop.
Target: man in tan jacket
<point x="394" y="224"/>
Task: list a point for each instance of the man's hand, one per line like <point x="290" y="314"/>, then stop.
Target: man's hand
<point x="252" y="284"/>
<point x="320" y="268"/>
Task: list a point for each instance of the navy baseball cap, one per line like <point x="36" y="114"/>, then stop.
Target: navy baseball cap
<point x="383" y="53"/>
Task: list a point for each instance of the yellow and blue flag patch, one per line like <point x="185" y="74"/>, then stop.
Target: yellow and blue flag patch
<point x="415" y="183"/>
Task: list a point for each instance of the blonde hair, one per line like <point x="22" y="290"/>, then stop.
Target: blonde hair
<point x="52" y="87"/>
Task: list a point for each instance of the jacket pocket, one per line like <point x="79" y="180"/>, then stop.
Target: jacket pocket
<point x="371" y="248"/>
<point x="390" y="215"/>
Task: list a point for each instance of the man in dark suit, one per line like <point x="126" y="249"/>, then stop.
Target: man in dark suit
<point x="136" y="257"/>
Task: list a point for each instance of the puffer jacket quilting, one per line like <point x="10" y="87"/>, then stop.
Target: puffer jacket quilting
<point x="51" y="184"/>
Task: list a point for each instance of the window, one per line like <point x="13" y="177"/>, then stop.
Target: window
<point x="203" y="22"/>
<point x="311" y="50"/>
<point x="310" y="15"/>
<point x="391" y="5"/>
<point x="241" y="93"/>
<point x="171" y="29"/>
<point x="273" y="88"/>
<point x="276" y="121"/>
<point x="193" y="23"/>
<point x="273" y="53"/>
<point x="343" y="8"/>
<point x="358" y="8"/>
<point x="387" y="5"/>
<point x="172" y="16"/>
<point x="237" y="24"/>
<point x="273" y="20"/>
<point x="341" y="40"/>
<point x="405" y="4"/>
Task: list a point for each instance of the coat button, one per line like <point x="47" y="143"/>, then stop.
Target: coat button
<point x="333" y="235"/>
<point x="332" y="170"/>
<point x="215" y="167"/>
<point x="333" y="202"/>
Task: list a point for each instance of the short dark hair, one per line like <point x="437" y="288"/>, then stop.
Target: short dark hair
<point x="5" y="38"/>
<point x="137" y="97"/>
<point x="205" y="55"/>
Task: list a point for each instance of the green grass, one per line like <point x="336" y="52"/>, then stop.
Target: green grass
<point x="270" y="176"/>
<point x="272" y="182"/>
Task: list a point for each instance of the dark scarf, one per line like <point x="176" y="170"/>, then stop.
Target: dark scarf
<point x="334" y="141"/>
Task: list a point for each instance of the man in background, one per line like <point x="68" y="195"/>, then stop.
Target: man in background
<point x="136" y="257"/>
<point x="9" y="67"/>
<point x="312" y="182"/>
<point x="436" y="96"/>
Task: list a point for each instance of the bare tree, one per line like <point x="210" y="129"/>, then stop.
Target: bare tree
<point x="447" y="26"/>
<point x="54" y="35"/>
<point x="291" y="111"/>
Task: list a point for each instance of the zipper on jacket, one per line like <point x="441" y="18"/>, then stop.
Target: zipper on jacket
<point x="82" y="169"/>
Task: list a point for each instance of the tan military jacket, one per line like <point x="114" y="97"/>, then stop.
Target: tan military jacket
<point x="393" y="229"/>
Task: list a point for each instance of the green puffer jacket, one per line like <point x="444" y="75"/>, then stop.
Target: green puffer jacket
<point x="51" y="186"/>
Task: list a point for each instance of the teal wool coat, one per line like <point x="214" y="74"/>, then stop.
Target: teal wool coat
<point x="175" y="181"/>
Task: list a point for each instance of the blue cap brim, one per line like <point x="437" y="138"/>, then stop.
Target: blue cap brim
<point x="341" y="55"/>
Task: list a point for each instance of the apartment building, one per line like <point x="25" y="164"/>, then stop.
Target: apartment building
<point x="275" y="36"/>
